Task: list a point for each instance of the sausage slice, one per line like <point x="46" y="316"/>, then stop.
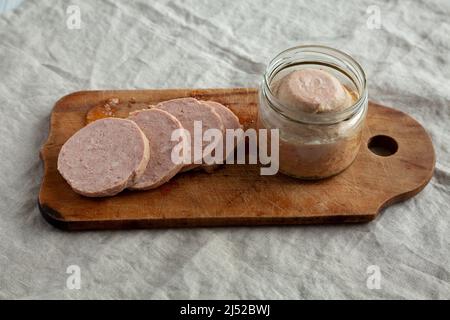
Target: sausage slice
<point x="104" y="158"/>
<point x="188" y="110"/>
<point x="158" y="126"/>
<point x="229" y="120"/>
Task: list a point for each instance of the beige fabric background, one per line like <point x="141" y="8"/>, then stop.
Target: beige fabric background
<point x="165" y="44"/>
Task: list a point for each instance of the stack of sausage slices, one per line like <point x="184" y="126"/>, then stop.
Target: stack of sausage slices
<point x="112" y="154"/>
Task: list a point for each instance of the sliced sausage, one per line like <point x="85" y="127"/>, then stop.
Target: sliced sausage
<point x="188" y="110"/>
<point x="158" y="126"/>
<point x="104" y="157"/>
<point x="229" y="120"/>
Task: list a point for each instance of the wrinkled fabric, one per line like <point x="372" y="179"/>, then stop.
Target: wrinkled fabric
<point x="198" y="44"/>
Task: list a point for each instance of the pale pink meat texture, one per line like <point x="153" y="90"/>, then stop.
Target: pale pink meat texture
<point x="104" y="158"/>
<point x="313" y="91"/>
<point x="188" y="110"/>
<point x="229" y="120"/>
<point x="158" y="126"/>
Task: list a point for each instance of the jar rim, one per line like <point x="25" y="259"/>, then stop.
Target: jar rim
<point x="318" y="118"/>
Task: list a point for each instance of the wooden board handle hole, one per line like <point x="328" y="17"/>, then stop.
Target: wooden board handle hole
<point x="382" y="145"/>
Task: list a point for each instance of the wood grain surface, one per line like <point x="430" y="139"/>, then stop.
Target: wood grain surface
<point x="238" y="194"/>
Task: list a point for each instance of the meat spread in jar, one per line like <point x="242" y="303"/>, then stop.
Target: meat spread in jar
<point x="318" y="108"/>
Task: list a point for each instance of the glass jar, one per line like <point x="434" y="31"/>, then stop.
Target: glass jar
<point x="314" y="145"/>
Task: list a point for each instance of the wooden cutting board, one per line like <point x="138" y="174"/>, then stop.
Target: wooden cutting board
<point x="238" y="194"/>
